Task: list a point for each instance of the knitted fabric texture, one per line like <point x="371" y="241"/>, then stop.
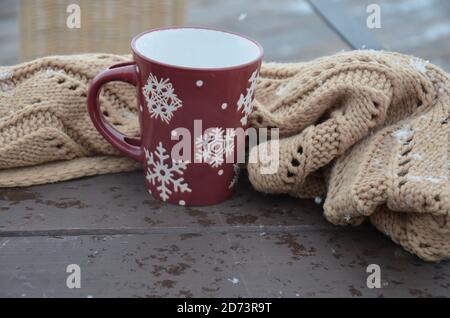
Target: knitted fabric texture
<point x="46" y="134"/>
<point x="368" y="130"/>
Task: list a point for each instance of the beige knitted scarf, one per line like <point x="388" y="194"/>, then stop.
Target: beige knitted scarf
<point x="366" y="131"/>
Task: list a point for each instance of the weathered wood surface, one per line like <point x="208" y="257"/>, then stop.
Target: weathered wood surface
<point x="350" y="31"/>
<point x="129" y="244"/>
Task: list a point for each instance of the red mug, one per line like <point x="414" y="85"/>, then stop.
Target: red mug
<point x="184" y="77"/>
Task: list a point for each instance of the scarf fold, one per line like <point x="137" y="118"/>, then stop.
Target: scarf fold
<point x="46" y="134"/>
<point x="368" y="130"/>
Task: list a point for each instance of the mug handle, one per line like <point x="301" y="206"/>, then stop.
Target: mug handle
<point x="124" y="72"/>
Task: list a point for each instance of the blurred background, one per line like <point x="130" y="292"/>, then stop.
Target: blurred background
<point x="289" y="30"/>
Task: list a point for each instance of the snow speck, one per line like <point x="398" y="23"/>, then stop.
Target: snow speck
<point x="220" y="172"/>
<point x="127" y="114"/>
<point x="50" y="72"/>
<point x="415" y="156"/>
<point x="5" y="81"/>
<point x="347" y="217"/>
<point x="242" y="16"/>
<point x="182" y="203"/>
<point x="375" y="52"/>
<point x="224" y="106"/>
<point x="377" y="163"/>
<point x="414" y="178"/>
<point x="282" y="90"/>
<point x="318" y="200"/>
<point x="4" y="243"/>
<point x="234" y="280"/>
<point x="430" y="179"/>
<point x="419" y="65"/>
<point x="297" y="295"/>
<point x="174" y="133"/>
<point x="319" y="82"/>
<point x="402" y="134"/>
<point x="89" y="296"/>
<point x="199" y="83"/>
<point x="436" y="180"/>
<point x="262" y="233"/>
<point x="5" y="75"/>
<point x="363" y="47"/>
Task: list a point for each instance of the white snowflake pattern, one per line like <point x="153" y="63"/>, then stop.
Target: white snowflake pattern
<point x="214" y="146"/>
<point x="168" y="178"/>
<point x="244" y="103"/>
<point x="161" y="98"/>
<point x="235" y="179"/>
<point x="210" y="147"/>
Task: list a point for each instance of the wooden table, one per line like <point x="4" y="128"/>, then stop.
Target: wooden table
<point x="129" y="244"/>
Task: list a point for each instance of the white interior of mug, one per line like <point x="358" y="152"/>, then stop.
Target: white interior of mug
<point x="197" y="48"/>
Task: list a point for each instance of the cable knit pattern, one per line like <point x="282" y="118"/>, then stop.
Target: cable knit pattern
<point x="373" y="128"/>
<point x="43" y="119"/>
<point x="370" y="130"/>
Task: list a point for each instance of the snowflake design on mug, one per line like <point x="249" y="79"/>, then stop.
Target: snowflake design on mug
<point x="168" y="178"/>
<point x="244" y="103"/>
<point x="229" y="141"/>
<point x="214" y="146"/>
<point x="161" y="99"/>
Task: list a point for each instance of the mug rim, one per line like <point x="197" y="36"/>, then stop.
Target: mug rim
<point x="206" y="69"/>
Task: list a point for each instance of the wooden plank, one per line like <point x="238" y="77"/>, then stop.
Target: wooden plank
<point x="290" y="31"/>
<point x="294" y="264"/>
<point x="420" y="28"/>
<point x="129" y="244"/>
<point x="355" y="34"/>
<point x="119" y="203"/>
